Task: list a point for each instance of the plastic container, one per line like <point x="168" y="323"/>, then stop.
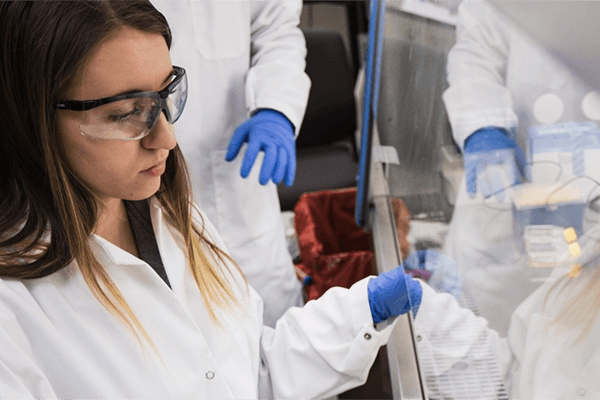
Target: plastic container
<point x="333" y="250"/>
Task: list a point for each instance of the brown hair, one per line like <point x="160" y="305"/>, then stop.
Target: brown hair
<point x="46" y="214"/>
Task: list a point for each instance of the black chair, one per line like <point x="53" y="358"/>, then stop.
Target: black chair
<point x="356" y="22"/>
<point x="325" y="148"/>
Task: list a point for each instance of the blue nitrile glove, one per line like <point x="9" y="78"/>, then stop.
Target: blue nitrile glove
<point x="271" y="132"/>
<point x="444" y="277"/>
<point x="492" y="147"/>
<point x="388" y="294"/>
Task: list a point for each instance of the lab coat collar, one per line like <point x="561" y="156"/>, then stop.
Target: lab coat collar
<point x="108" y="253"/>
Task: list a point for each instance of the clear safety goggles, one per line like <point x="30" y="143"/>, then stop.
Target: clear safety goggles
<point x="130" y="116"/>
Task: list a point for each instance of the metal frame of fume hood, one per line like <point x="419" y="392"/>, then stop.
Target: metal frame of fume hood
<point x="405" y="375"/>
<point x="374" y="213"/>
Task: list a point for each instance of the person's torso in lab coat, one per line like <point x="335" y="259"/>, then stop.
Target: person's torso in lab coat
<point x="500" y="77"/>
<point x="214" y="42"/>
<point x="59" y="341"/>
<point x="240" y="56"/>
<point x="211" y="40"/>
<point x="548" y="360"/>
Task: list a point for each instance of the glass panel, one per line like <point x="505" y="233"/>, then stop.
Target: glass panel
<point x="505" y="231"/>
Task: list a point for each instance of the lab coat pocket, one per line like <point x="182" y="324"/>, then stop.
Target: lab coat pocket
<point x="246" y="210"/>
<point x="219" y="28"/>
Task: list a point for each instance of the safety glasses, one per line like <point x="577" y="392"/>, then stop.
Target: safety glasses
<point x="130" y="116"/>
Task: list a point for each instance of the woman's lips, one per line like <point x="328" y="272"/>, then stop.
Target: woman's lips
<point x="155" y="170"/>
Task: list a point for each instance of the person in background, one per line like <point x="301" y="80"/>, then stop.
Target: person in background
<point x="247" y="59"/>
<point x="500" y="84"/>
<point x="551" y="348"/>
<point x="113" y="284"/>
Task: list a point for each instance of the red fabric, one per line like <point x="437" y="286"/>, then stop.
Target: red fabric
<point x="333" y="250"/>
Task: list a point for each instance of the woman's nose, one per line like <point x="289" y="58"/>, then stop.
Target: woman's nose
<point x="162" y="135"/>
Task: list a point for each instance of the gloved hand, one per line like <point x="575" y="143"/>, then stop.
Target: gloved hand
<point x="444" y="275"/>
<point x="486" y="148"/>
<point x="270" y="131"/>
<point x="389" y="294"/>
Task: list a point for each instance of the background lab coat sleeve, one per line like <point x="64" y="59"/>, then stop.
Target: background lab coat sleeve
<point x="276" y="78"/>
<point x="476" y="72"/>
<point x="452" y="333"/>
<point x="324" y="348"/>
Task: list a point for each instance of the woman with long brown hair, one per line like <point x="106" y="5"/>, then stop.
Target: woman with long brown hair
<point x="112" y="284"/>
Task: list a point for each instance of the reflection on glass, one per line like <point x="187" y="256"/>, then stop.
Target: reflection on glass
<point x="499" y="152"/>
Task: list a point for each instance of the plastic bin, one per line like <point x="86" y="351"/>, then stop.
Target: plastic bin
<point x="333" y="250"/>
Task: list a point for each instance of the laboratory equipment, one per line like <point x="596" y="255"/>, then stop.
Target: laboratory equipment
<point x="560" y="152"/>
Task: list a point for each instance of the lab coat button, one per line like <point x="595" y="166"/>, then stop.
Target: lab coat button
<point x="210" y="375"/>
<point x="368" y="336"/>
<point x="581" y="392"/>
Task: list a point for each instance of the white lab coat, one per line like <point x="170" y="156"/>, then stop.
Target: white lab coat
<point x="240" y="57"/>
<point x="533" y="361"/>
<point x="490" y="255"/>
<point x="496" y="75"/>
<point x="57" y="341"/>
